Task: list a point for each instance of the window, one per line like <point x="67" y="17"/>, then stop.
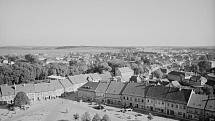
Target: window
<point x="124" y="98"/>
<point x="171" y="105"/>
<point x="130" y="98"/>
<point x="142" y="100"/>
<point x="127" y="98"/>
<point x="167" y="104"/>
<point x="148" y="100"/>
<point x="176" y="106"/>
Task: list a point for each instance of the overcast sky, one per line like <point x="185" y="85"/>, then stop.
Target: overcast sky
<point x="107" y="22"/>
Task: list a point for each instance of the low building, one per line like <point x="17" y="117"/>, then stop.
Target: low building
<point x="7" y="94"/>
<point x="59" y="90"/>
<point x="29" y="89"/>
<point x="100" y="91"/>
<point x="77" y="81"/>
<point x="87" y="92"/>
<point x="197" y="81"/>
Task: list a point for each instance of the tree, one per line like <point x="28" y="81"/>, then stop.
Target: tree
<point x="106" y="118"/>
<point x="31" y="58"/>
<point x="21" y="99"/>
<point x="158" y="73"/>
<point x="86" y="117"/>
<point x="96" y="118"/>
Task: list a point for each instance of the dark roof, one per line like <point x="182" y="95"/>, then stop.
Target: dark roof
<point x="158" y="92"/>
<point x="102" y="87"/>
<point x="89" y="86"/>
<point x="115" y="87"/>
<point x="136" y="89"/>
<point x="177" y="95"/>
<point x="177" y="73"/>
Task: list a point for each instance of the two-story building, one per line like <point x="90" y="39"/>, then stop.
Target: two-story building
<point x="113" y="93"/>
<point x="87" y="92"/>
<point x="134" y="95"/>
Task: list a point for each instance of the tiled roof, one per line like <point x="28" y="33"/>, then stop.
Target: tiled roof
<point x="89" y="86"/>
<point x="158" y="92"/>
<point x="56" y="84"/>
<point x="197" y="101"/>
<point x="66" y="83"/>
<point x="115" y="87"/>
<point x="7" y="90"/>
<point x="102" y="87"/>
<point x="77" y="79"/>
<point x="177" y="95"/>
<point x="44" y="87"/>
<point x="27" y="88"/>
<point x="136" y="89"/>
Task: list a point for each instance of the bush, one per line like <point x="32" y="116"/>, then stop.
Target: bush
<point x="86" y="117"/>
<point x="106" y="118"/>
<point x="21" y="99"/>
<point x="96" y="118"/>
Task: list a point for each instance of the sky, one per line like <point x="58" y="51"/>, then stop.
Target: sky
<point x="107" y="22"/>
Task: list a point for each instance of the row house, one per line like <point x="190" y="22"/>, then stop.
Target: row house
<point x="176" y="102"/>
<point x="155" y="98"/>
<point x="101" y="90"/>
<point x="196" y="106"/>
<point x="113" y="93"/>
<point x="87" y="92"/>
<point x="59" y="90"/>
<point x="67" y="85"/>
<point x="201" y="107"/>
<point x="27" y="88"/>
<point x="134" y="95"/>
<point x="168" y="100"/>
<point x="7" y="94"/>
<point x="76" y="81"/>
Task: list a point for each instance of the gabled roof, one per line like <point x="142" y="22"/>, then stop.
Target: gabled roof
<point x="115" y="88"/>
<point x="197" y="101"/>
<point x="102" y="87"/>
<point x="27" y="88"/>
<point x="89" y="86"/>
<point x="77" y="79"/>
<point x="56" y="84"/>
<point x="43" y="87"/>
<point x="158" y="92"/>
<point x="95" y="76"/>
<point x="125" y="70"/>
<point x="66" y="83"/>
<point x="136" y="89"/>
<point x="7" y="90"/>
<point x="177" y="95"/>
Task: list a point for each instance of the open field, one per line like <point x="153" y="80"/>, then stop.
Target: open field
<point x="56" y="110"/>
